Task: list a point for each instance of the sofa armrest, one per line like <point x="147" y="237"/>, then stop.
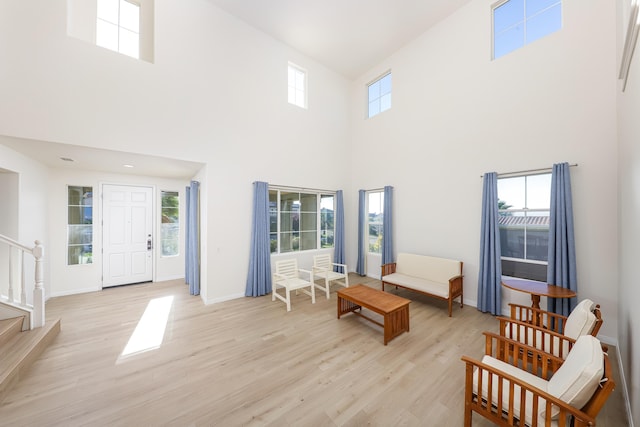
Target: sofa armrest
<point x="387" y="269"/>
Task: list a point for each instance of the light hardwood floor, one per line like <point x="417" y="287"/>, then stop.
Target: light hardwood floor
<point x="249" y="362"/>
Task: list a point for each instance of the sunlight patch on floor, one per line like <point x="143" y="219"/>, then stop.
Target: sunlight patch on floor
<point x="149" y="332"/>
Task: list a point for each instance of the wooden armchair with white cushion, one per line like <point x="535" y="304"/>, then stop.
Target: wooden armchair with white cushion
<point x="287" y="276"/>
<point x="508" y="391"/>
<point x="558" y="333"/>
<point x="323" y="269"/>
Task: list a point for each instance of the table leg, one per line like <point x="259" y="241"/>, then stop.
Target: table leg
<point x="535" y="303"/>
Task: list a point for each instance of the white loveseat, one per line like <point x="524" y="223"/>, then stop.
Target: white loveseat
<point x="436" y="277"/>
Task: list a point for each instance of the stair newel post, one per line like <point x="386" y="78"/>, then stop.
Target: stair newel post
<point x="38" y="291"/>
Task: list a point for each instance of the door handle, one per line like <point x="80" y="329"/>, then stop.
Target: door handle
<point x="149" y="243"/>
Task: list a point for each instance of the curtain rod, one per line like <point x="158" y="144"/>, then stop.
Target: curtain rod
<point x="516" y="173"/>
<point x="288" y="187"/>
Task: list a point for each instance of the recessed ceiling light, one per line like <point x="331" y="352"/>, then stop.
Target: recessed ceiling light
<point x="128" y="166"/>
<point x="66" y="159"/>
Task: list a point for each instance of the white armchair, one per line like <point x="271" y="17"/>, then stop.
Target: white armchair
<point x="287" y="276"/>
<point x="323" y="269"/>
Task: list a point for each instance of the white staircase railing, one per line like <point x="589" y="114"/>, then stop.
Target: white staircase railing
<point x="16" y="293"/>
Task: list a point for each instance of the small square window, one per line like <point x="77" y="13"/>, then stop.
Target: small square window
<point x="118" y="26"/>
<point x="297" y="84"/>
<point x="520" y="22"/>
<point x="379" y="95"/>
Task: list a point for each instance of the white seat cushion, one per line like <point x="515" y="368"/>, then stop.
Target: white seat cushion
<point x="424" y="285"/>
<point x="581" y="320"/>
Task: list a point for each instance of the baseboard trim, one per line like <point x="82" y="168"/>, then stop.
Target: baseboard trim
<point x="625" y="390"/>
<point x="223" y="299"/>
<point x="74" y="292"/>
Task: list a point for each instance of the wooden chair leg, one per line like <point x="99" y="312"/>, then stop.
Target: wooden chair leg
<point x="288" y="300"/>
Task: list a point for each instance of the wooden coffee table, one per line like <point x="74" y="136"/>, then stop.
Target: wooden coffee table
<point x="394" y="309"/>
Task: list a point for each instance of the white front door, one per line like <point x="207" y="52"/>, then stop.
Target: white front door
<point x="127" y="230"/>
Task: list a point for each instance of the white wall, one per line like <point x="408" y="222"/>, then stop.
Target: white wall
<point x="71" y="279"/>
<point x="629" y="229"/>
<point x="457" y="114"/>
<point x="216" y="94"/>
<point x="29" y="215"/>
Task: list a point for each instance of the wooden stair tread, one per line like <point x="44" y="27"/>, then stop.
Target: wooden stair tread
<point x="9" y="328"/>
<point x="20" y="351"/>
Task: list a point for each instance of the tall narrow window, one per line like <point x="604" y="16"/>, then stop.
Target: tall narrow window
<point x="297" y="86"/>
<point x="118" y="26"/>
<point x="170" y="223"/>
<point x="375" y="209"/>
<point x="79" y="225"/>
<point x="326" y="220"/>
<point x="379" y="95"/>
<point x="523" y="207"/>
<point x="520" y="22"/>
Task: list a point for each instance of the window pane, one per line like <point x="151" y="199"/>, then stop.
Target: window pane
<point x="108" y="10"/>
<point x="535" y="6"/>
<point x="288" y="201"/>
<point x="308" y="221"/>
<point x="80" y="234"/>
<point x="539" y="191"/>
<point x="544" y="23"/>
<point x="508" y="41"/>
<point x="129" y="43"/>
<point x="107" y="35"/>
<point x="507" y="15"/>
<point x="299" y="80"/>
<point x="169" y="236"/>
<point x="291" y="77"/>
<point x="537" y="236"/>
<point x="385" y="102"/>
<point x="385" y="84"/>
<point x="273" y="237"/>
<point x="289" y="221"/>
<point x="309" y="202"/>
<point x="511" y="192"/>
<point x="288" y="242"/>
<point x="308" y="240"/>
<point x="130" y="16"/>
<point x="80" y="196"/>
<point x="375" y="238"/>
<point x="374" y="91"/>
<point x="299" y="98"/>
<point x="80" y="254"/>
<point x="511" y="235"/>
<point x="374" y="108"/>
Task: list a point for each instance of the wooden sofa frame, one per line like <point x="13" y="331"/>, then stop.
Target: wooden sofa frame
<point x="538" y="363"/>
<point x="455" y="285"/>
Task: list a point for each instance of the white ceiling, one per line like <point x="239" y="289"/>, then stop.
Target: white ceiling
<point x="347" y="36"/>
<point x="94" y="159"/>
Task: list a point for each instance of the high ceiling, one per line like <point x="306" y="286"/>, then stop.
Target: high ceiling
<point x="348" y="36"/>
